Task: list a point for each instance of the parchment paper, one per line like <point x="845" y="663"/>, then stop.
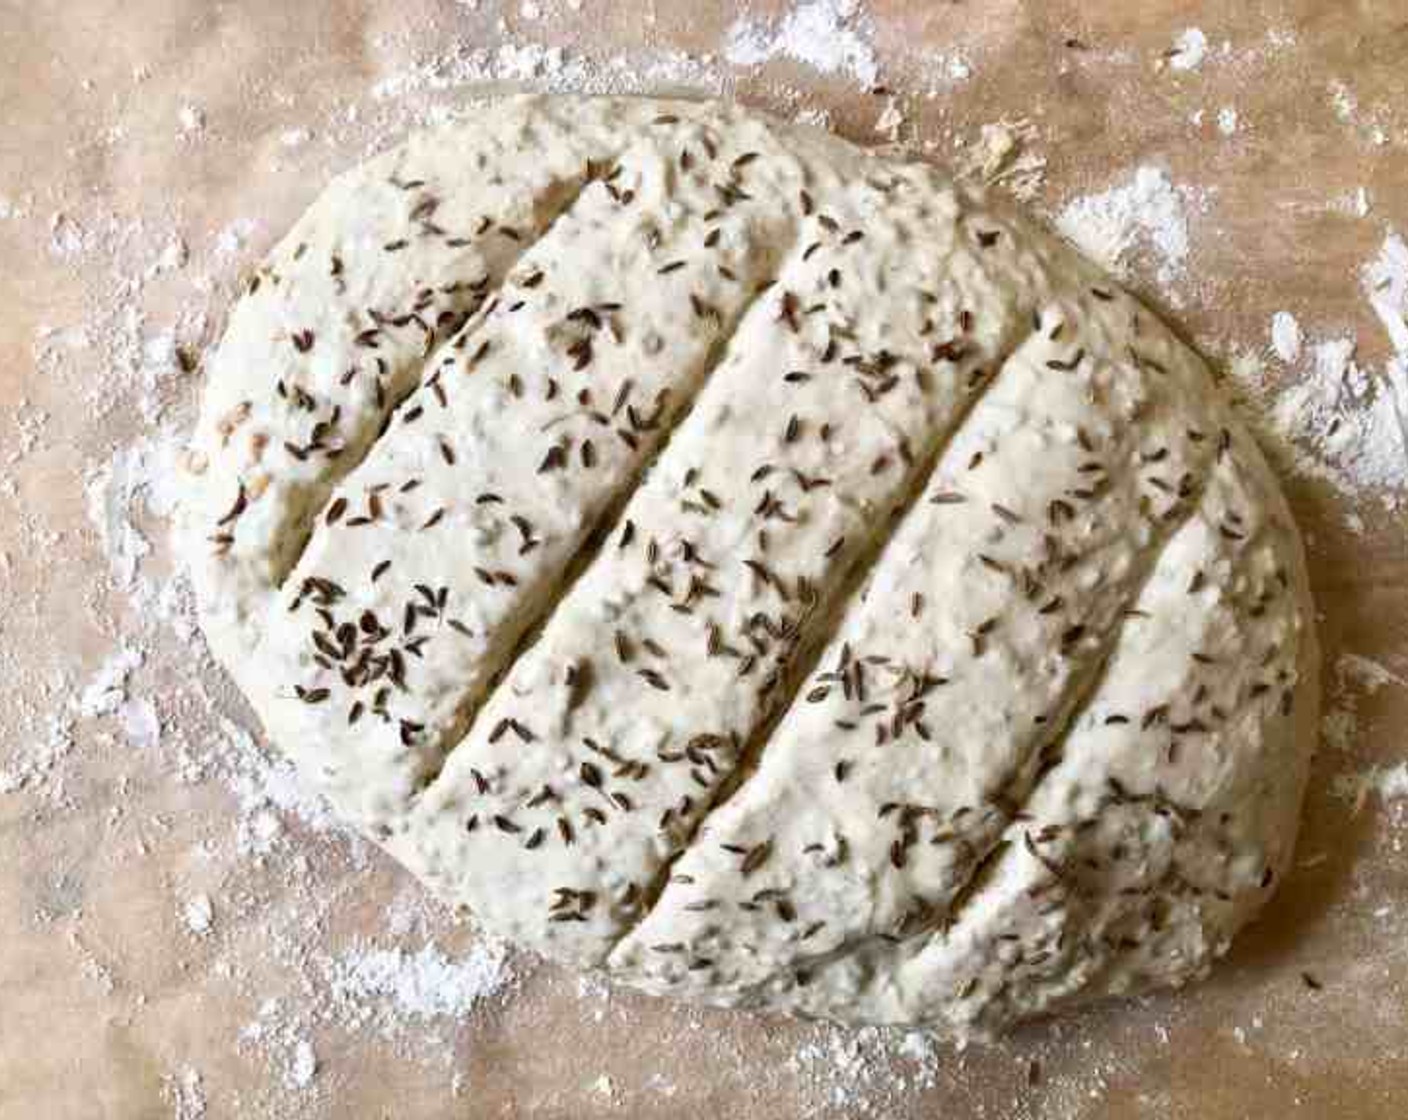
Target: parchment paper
<point x="182" y="935"/>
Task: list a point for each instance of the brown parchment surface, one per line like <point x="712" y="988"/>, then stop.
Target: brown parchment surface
<point x="106" y="995"/>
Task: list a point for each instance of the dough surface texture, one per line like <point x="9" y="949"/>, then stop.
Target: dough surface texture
<point x="760" y="568"/>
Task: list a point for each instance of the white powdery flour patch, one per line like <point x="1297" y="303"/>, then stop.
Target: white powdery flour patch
<point x="1355" y="202"/>
<point x="198" y="914"/>
<point x="1332" y="418"/>
<point x="1385" y="280"/>
<point x="1348" y="423"/>
<point x="266" y="789"/>
<point x="107" y="689"/>
<point x="230" y="242"/>
<point x="303" y="1065"/>
<point x="140" y="724"/>
<point x="191" y="119"/>
<point x="1285" y="336"/>
<point x="388" y="987"/>
<point x="137" y="480"/>
<point x="832" y="36"/>
<point x="545" y="68"/>
<point x="184" y="1093"/>
<point x="1146" y="212"/>
<point x="1189" y="50"/>
<point x="280" y="1036"/>
<point x="866" y="1072"/>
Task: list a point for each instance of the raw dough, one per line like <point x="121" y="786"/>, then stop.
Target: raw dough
<point x="761" y="568"/>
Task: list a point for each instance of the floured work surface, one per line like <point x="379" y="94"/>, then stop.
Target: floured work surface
<point x="198" y="933"/>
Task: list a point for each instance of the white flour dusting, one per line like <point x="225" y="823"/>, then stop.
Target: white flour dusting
<point x="191" y="119"/>
<point x="1367" y="126"/>
<point x="1385" y="280"/>
<point x="141" y="726"/>
<point x="1145" y="213"/>
<point x="267" y="790"/>
<point x="832" y="36"/>
<point x="1334" y="418"/>
<point x="281" y="1039"/>
<point x="387" y="986"/>
<point x="1189" y="50"/>
<point x="1286" y="337"/>
<point x="303" y="1065"/>
<point x="890" y="120"/>
<point x="107" y="688"/>
<point x="866" y="1072"/>
<point x="1355" y="202"/>
<point x="1343" y="101"/>
<point x="942" y="71"/>
<point x="1347" y="423"/>
<point x="314" y="1001"/>
<point x="183" y="1092"/>
<point x="198" y="914"/>
<point x="554" y="69"/>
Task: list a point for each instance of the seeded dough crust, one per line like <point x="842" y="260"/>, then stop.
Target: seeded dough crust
<point x="757" y="567"/>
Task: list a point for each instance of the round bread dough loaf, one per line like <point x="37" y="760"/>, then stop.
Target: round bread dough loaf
<point x="758" y="567"/>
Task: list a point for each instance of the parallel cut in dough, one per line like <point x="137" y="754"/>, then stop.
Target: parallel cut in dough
<point x="756" y="566"/>
<point x="336" y="325"/>
<point x="456" y="532"/>
<point x="658" y="668"/>
<point x="1010" y="575"/>
<point x="1152" y="840"/>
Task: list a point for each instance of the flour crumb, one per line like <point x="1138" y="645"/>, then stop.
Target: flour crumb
<point x="198" y="914"/>
<point x="1286" y="337"/>
<point x="1005" y="154"/>
<point x="303" y="1065"/>
<point x="140" y="724"/>
<point x="812" y="117"/>
<point x="1189" y="50"/>
<point x="231" y="240"/>
<point x="107" y="688"/>
<point x="891" y="120"/>
<point x="65" y="236"/>
<point x="185" y="1094"/>
<point x="191" y="119"/>
<point x="605" y="1088"/>
<point x="137" y="481"/>
<point x="1343" y="101"/>
<point x="1356" y="203"/>
<point x="1385" y="281"/>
